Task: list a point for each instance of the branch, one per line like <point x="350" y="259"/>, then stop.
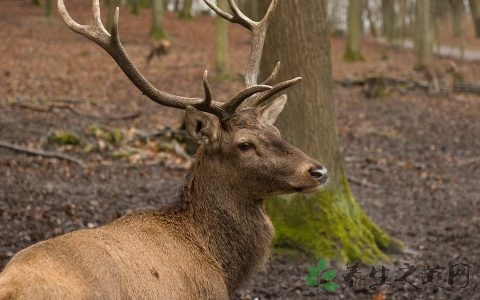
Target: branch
<point x="49" y="154"/>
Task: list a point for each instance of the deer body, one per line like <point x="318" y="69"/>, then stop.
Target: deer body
<point x="217" y="233"/>
<point x="193" y="250"/>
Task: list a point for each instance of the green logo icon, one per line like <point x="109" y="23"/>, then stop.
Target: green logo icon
<point x="324" y="280"/>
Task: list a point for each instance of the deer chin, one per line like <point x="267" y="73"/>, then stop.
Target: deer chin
<point x="310" y="189"/>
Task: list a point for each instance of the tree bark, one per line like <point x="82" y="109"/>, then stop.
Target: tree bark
<point x="48" y="8"/>
<point x="354" y="31"/>
<point x="403" y="20"/>
<point x="328" y="223"/>
<point x="423" y="33"/>
<point x="221" y="43"/>
<point x="186" y="12"/>
<point x="389" y="19"/>
<point x="134" y="7"/>
<point x="457" y="17"/>
<point x="156" y="31"/>
<point x="112" y="5"/>
<point x="475" y="11"/>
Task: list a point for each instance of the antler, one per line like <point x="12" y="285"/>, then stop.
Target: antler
<point x="259" y="31"/>
<point x="112" y="44"/>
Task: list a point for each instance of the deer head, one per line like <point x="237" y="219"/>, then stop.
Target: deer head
<point x="243" y="139"/>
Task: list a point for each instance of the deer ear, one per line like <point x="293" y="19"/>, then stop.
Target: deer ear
<point x="199" y="126"/>
<point x="271" y="111"/>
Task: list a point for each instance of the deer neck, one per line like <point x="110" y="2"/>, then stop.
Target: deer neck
<point x="232" y="225"/>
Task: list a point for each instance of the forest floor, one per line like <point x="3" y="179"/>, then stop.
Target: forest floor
<point x="413" y="160"/>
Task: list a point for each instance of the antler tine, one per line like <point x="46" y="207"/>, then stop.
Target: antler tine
<point x="237" y="17"/>
<point x="237" y="100"/>
<point x="208" y="90"/>
<point x="272" y="76"/>
<point x="112" y="44"/>
<point x="262" y="97"/>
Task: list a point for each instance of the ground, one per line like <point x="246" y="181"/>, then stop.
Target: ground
<point x="413" y="161"/>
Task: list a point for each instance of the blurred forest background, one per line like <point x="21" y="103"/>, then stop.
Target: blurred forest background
<point x="80" y="146"/>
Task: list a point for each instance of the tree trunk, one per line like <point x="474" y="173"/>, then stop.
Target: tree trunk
<point x="354" y="31"/>
<point x="328" y="223"/>
<point x="373" y="28"/>
<point x="156" y="31"/>
<point x="112" y="5"/>
<point x="36" y="2"/>
<point x="475" y="11"/>
<point x="388" y="19"/>
<point x="134" y="7"/>
<point x="423" y="33"/>
<point x="48" y="8"/>
<point x="186" y="12"/>
<point x="403" y="20"/>
<point x="221" y="43"/>
<point x="457" y="17"/>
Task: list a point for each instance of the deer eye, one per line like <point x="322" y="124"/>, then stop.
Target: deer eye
<point x="245" y="146"/>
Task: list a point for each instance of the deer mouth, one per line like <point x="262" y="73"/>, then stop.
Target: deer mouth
<point x="311" y="189"/>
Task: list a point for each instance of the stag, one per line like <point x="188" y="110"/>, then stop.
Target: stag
<point x="217" y="234"/>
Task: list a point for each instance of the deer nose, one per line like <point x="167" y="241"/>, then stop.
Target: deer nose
<point x="319" y="174"/>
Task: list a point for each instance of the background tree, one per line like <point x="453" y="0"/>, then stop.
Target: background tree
<point x="156" y="29"/>
<point x="389" y="20"/>
<point x="221" y="42"/>
<point x="48" y="7"/>
<point x="134" y="7"/>
<point x="112" y="5"/>
<point x="36" y="2"/>
<point x="186" y="12"/>
<point x="458" y="10"/>
<point x="475" y="11"/>
<point x="354" y="31"/>
<point x="423" y="33"/>
<point x="329" y="222"/>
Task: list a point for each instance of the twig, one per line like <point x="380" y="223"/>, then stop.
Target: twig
<point x="363" y="182"/>
<point x="50" y="108"/>
<point x="31" y="151"/>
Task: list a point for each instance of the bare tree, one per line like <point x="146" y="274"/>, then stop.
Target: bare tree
<point x="112" y="5"/>
<point x="48" y="8"/>
<point x="329" y="222"/>
<point x="423" y="33"/>
<point x="354" y="31"/>
<point x="458" y="10"/>
<point x="221" y="43"/>
<point x="186" y="12"/>
<point x="475" y="11"/>
<point x="389" y="19"/>
<point x="157" y="31"/>
<point x="134" y="6"/>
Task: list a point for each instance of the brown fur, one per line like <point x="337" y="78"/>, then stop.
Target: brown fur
<point x="203" y="247"/>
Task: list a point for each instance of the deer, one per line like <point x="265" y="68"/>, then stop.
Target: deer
<point x="217" y="234"/>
